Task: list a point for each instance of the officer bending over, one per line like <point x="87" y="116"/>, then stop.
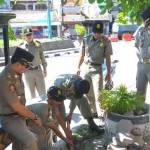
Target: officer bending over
<point x="73" y="88"/>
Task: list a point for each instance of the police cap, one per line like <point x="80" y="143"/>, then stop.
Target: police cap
<point x="27" y="31"/>
<point x="97" y="27"/>
<point x="55" y="93"/>
<point x="22" y="56"/>
<point x="81" y="87"/>
<point x="146" y="14"/>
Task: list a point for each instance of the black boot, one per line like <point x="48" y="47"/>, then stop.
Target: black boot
<point x="94" y="127"/>
<point x="54" y="138"/>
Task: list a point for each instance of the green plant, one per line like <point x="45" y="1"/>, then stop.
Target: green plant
<point x="120" y="100"/>
<point x="80" y="29"/>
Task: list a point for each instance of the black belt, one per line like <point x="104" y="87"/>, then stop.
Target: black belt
<point x="146" y="61"/>
<point x="95" y="64"/>
<point x="34" y="68"/>
<point x="11" y="114"/>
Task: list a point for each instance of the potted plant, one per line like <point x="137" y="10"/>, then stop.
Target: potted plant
<point x="120" y="103"/>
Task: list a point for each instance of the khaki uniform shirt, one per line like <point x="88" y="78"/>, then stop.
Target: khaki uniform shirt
<point x="43" y="134"/>
<point x="11" y="90"/>
<point x="142" y="41"/>
<point x="36" y="49"/>
<point x="66" y="83"/>
<point x="96" y="50"/>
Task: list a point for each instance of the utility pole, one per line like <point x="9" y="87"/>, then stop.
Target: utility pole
<point x="49" y="19"/>
<point x="62" y="17"/>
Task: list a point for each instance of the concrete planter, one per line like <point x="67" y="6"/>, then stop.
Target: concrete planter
<point x="141" y="121"/>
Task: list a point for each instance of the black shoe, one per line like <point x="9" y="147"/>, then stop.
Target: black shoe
<point x="93" y="126"/>
<point x="95" y="115"/>
<point x="98" y="129"/>
<point x="54" y="138"/>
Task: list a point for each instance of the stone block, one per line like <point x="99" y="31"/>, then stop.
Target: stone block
<point x="124" y="126"/>
<point x="114" y="147"/>
<point x="125" y="138"/>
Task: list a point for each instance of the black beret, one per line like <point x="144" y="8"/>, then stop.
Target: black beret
<point x="145" y="14"/>
<point x="55" y="93"/>
<point x="97" y="27"/>
<point x="27" y="31"/>
<point x="22" y="56"/>
<point x="81" y="87"/>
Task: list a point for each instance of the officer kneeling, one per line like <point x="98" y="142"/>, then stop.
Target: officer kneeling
<point x="44" y="110"/>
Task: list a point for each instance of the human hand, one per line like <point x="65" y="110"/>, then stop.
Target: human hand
<point x="70" y="144"/>
<point x="45" y="73"/>
<point x="108" y="77"/>
<point x="68" y="118"/>
<point x="38" y="121"/>
<point x="78" y="72"/>
<point x="70" y="147"/>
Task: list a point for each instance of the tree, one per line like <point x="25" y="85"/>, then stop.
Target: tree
<point x="130" y="9"/>
<point x="1" y="1"/>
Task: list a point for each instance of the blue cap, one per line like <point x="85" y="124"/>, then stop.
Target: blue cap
<point x="55" y="93"/>
<point x="97" y="27"/>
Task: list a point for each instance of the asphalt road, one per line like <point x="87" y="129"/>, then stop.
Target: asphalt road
<point x="125" y="72"/>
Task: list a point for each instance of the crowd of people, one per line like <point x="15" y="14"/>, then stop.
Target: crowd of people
<point x="31" y="127"/>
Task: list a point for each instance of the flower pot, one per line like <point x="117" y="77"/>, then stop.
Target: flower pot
<point x="141" y="121"/>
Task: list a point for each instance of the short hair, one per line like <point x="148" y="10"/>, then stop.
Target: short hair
<point x="81" y="87"/>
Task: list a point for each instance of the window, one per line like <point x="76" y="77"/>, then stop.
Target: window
<point x="19" y="7"/>
<point x="30" y="7"/>
<point x="41" y="7"/>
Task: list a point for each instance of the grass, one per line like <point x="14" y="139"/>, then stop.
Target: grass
<point x="18" y="41"/>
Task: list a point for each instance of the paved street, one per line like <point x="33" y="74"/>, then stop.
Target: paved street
<point x="125" y="69"/>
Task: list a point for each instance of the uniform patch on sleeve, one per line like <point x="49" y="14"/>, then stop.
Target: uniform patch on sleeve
<point x="12" y="88"/>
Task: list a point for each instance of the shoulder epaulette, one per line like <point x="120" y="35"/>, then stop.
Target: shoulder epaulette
<point x="37" y="43"/>
<point x="21" y="43"/>
<point x="105" y="38"/>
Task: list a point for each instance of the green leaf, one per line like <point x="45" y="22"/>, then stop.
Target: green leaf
<point x="80" y="29"/>
<point x="1" y="1"/>
<point x="91" y="1"/>
<point x="100" y="1"/>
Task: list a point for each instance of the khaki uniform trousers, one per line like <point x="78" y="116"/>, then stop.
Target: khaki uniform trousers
<point x="83" y="106"/>
<point x="44" y="133"/>
<point x="143" y="77"/>
<point x="35" y="81"/>
<point x="94" y="75"/>
<point x="22" y="137"/>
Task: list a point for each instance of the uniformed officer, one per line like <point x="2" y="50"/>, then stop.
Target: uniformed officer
<point x="73" y="88"/>
<point x="142" y="42"/>
<point x="35" y="75"/>
<point x="44" y="111"/>
<point x="95" y="49"/>
<point x="13" y="112"/>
